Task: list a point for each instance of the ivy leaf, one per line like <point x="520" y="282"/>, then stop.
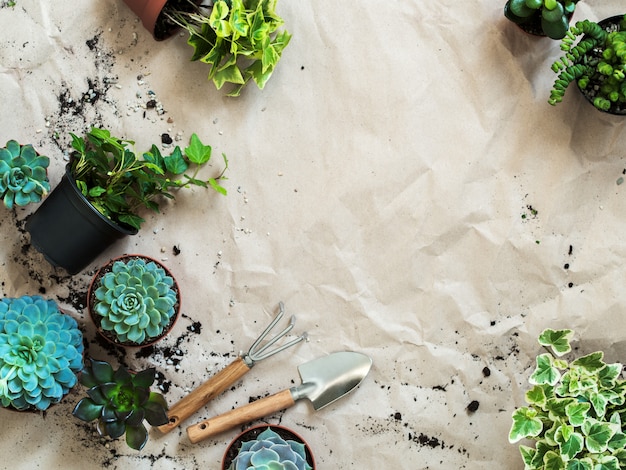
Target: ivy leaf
<point x="607" y="462"/>
<point x="175" y="163"/>
<point x="617" y="442"/>
<point x="580" y="464"/>
<point x="570" y="442"/>
<point x="525" y="424"/>
<point x="545" y="373"/>
<point x="528" y="454"/>
<point x="557" y="340"/>
<point x="577" y="412"/>
<point x="536" y="396"/>
<point x="553" y="461"/>
<point x="591" y="362"/>
<point x="197" y="152"/>
<point x="598" y="436"/>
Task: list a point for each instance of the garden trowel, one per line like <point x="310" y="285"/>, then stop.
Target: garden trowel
<point x="324" y="380"/>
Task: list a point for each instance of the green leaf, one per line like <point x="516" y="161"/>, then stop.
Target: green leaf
<point x="580" y="464"/>
<point x="528" y="454"/>
<point x="607" y="462"/>
<point x="175" y="163"/>
<point x="577" y="412"/>
<point x="553" y="461"/>
<point x="145" y="378"/>
<point x="229" y="73"/>
<point x="545" y="373"/>
<point x="525" y="424"/>
<point x="591" y="362"/>
<point x="617" y="442"/>
<point x="570" y="442"/>
<point x="597" y="435"/>
<point x="197" y="152"/>
<point x="136" y="436"/>
<point x="536" y="396"/>
<point x="101" y="371"/>
<point x="97" y="191"/>
<point x="557" y="340"/>
<point x="87" y="410"/>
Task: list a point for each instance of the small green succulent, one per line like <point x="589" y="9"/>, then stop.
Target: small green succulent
<point x="135" y="300"/>
<point x="551" y="15"/>
<point x="575" y="413"/>
<point x="121" y="401"/>
<point x="23" y="174"/>
<point x="41" y="353"/>
<point x="269" y="451"/>
<point x="597" y="63"/>
<point x="239" y="39"/>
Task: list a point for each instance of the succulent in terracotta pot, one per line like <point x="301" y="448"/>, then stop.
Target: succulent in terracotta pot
<point x="596" y="63"/>
<point x="267" y="447"/>
<point x="120" y="401"/>
<point x="23" y="174"/>
<point x="134" y="300"/>
<point x="41" y="353"/>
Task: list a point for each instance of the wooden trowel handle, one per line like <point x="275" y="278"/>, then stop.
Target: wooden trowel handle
<point x="199" y="397"/>
<point x="255" y="410"/>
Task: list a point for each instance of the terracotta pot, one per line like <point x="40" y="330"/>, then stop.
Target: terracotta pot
<point x="251" y="433"/>
<point x="148" y="12"/>
<point x="91" y="300"/>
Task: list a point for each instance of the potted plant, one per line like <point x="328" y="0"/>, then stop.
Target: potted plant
<point x="268" y="446"/>
<point x="133" y="300"/>
<point x="239" y="39"/>
<point x="105" y="186"/>
<point x="575" y="410"/>
<point x="41" y="353"/>
<point x="597" y="63"/>
<point x="120" y="401"/>
<point x="23" y="174"/>
<point x="541" y="17"/>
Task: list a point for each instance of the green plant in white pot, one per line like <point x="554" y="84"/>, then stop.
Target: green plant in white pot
<point x="574" y="411"/>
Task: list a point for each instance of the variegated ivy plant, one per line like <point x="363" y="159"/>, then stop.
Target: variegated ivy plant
<point x="575" y="411"/>
<point x="239" y="39"/>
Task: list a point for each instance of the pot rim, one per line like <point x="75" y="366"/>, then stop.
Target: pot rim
<point x="95" y="320"/>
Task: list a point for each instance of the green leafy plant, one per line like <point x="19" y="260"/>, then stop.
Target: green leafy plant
<point x="23" y="174"/>
<point x="120" y="402"/>
<point x="270" y="451"/>
<point x="41" y="353"/>
<point x="552" y="15"/>
<point x="239" y="39"/>
<point x="118" y="183"/>
<point x="575" y="411"/>
<point x="136" y="300"/>
<point x="597" y="63"/>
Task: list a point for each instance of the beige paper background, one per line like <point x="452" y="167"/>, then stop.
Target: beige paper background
<point x="381" y="185"/>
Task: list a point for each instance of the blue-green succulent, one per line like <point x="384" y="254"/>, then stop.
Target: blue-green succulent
<point x="269" y="451"/>
<point x="23" y="174"/>
<point x="121" y="401"/>
<point x="41" y="351"/>
<point x="135" y="301"/>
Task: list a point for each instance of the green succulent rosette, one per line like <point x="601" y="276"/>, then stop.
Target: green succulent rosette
<point x="269" y="451"/>
<point x="23" y="174"/>
<point x="41" y="351"/>
<point x="135" y="300"/>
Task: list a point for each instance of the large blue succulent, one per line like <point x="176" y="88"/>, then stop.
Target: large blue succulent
<point x="23" y="174"/>
<point x="269" y="451"/>
<point x="135" y="300"/>
<point x="41" y="351"/>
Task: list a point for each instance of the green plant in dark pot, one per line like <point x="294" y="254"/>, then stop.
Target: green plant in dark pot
<point x="541" y="17"/>
<point x="596" y="63"/>
<point x="41" y="353"/>
<point x="133" y="300"/>
<point x="23" y="174"/>
<point x="267" y="447"/>
<point x="239" y="39"/>
<point x="121" y="401"/>
<point x="575" y="411"/>
<point x="105" y="190"/>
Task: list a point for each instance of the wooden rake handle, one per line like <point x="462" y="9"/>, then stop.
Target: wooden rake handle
<point x="199" y="397"/>
<point x="255" y="410"/>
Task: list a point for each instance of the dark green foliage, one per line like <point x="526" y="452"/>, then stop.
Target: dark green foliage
<point x="552" y="15"/>
<point x="121" y="401"/>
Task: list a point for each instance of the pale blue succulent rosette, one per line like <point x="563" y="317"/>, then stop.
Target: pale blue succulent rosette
<point x="41" y="353"/>
<point x="136" y="301"/>
<point x="269" y="451"/>
<point x="23" y="175"/>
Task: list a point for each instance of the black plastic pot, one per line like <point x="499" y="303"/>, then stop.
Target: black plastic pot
<point x="69" y="231"/>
